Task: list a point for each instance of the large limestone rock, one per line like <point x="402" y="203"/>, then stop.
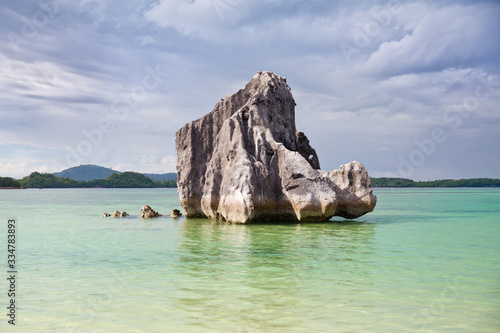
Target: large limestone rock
<point x="245" y="162"/>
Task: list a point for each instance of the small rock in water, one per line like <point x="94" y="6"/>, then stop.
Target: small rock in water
<point x="176" y="213"/>
<point x="118" y="214"/>
<point x="148" y="212"/>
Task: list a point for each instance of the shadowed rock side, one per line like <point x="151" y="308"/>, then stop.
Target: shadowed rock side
<point x="246" y="162"/>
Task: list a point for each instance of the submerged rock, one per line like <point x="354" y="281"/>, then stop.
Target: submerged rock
<point x="245" y="162"/>
<point x="176" y="213"/>
<point x="115" y="214"/>
<point x="148" y="212"/>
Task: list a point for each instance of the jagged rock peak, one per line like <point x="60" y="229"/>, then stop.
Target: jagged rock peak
<point x="245" y="161"/>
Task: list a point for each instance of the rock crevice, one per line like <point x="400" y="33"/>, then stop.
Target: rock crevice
<point x="245" y="161"/>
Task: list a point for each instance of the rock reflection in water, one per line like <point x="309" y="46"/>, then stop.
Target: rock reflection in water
<point x="251" y="277"/>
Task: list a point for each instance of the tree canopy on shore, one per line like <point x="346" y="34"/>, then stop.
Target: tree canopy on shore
<point x="137" y="180"/>
<point x="8" y="182"/>
<point x="116" y="180"/>
<point x="403" y="182"/>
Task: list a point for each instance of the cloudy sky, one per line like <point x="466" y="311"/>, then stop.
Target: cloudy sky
<point x="409" y="88"/>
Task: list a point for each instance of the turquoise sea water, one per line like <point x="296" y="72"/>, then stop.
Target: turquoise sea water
<point x="426" y="260"/>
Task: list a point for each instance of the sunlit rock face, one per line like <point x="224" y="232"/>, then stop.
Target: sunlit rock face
<point x="246" y="162"/>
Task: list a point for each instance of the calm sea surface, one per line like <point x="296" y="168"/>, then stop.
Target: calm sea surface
<point x="426" y="260"/>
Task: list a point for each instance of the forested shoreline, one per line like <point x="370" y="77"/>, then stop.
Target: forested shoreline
<point x="117" y="180"/>
<point x="131" y="179"/>
<point x="403" y="182"/>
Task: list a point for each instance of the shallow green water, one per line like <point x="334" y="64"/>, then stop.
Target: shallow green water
<point x="426" y="260"/>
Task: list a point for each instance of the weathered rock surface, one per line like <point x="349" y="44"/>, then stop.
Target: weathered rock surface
<point x="246" y="162"/>
<point x="148" y="212"/>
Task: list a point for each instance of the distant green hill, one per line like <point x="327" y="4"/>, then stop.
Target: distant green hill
<point x="48" y="180"/>
<point x="89" y="172"/>
<point x="161" y="176"/>
<point x="86" y="172"/>
<point x="126" y="179"/>
<point x="8" y="182"/>
<point x="116" y="180"/>
<point x="391" y="182"/>
<point x="403" y="182"/>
